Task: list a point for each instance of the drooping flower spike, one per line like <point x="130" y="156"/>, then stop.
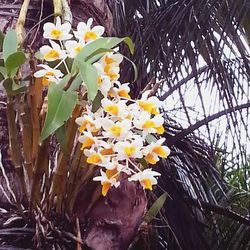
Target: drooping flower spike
<point x="114" y="138"/>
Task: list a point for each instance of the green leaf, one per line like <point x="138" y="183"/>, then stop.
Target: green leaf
<point x="12" y="88"/>
<point x="97" y="101"/>
<point x="14" y="61"/>
<point x="97" y="55"/>
<point x="1" y="40"/>
<point x="7" y="83"/>
<point x="62" y="138"/>
<point x="9" y="44"/>
<point x="76" y="83"/>
<point x="89" y="76"/>
<point x="60" y="106"/>
<point x="155" y="208"/>
<point x="134" y="67"/>
<point x="103" y="43"/>
<point x="3" y="73"/>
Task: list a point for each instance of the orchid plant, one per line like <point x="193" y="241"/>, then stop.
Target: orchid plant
<point x="114" y="137"/>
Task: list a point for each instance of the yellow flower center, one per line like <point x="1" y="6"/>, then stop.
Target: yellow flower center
<point x="87" y="143"/>
<point x="94" y="159"/>
<point x="129" y="150"/>
<point x="56" y="33"/>
<point x="113" y="76"/>
<point x="107" y="68"/>
<point x="112" y="109"/>
<point x="105" y="188"/>
<point x="89" y="36"/>
<point x="123" y="93"/>
<point x="99" y="81"/>
<point x="107" y="151"/>
<point x="84" y="126"/>
<point x="52" y="54"/>
<point x="116" y="130"/>
<point x="155" y="111"/>
<point x="148" y="106"/>
<point x="112" y="173"/>
<point x="78" y="49"/>
<point x="160" y="151"/>
<point x="147" y="184"/>
<point x="45" y="80"/>
<point x="109" y="60"/>
<point x="149" y="124"/>
<point x="160" y="130"/>
<point x="150" y="159"/>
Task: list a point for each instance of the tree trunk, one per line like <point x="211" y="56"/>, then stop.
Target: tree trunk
<point x="113" y="221"/>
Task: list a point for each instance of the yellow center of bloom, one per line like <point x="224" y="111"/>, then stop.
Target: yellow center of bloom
<point x="109" y="60"/>
<point x="160" y="130"/>
<point x="160" y="151"/>
<point x="112" y="109"/>
<point x="148" y="106"/>
<point x="78" y="49"/>
<point x="123" y="93"/>
<point x="112" y="173"/>
<point x="155" y="111"/>
<point x="84" y="125"/>
<point x="149" y="124"/>
<point x="129" y="150"/>
<point x="116" y="130"/>
<point x="52" y="54"/>
<point x="107" y="151"/>
<point x="150" y="159"/>
<point x="94" y="159"/>
<point x="45" y="80"/>
<point x="99" y="81"/>
<point x="107" y="68"/>
<point x="56" y="33"/>
<point x="89" y="36"/>
<point x="105" y="188"/>
<point x="147" y="184"/>
<point x="88" y="142"/>
<point x="113" y="76"/>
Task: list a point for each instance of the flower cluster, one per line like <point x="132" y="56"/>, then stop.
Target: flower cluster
<point x="63" y="45"/>
<point x="115" y="137"/>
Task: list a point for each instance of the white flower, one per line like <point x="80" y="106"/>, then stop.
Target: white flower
<point x="117" y="109"/>
<point x="87" y="34"/>
<point x="111" y="58"/>
<point x="95" y="158"/>
<point x="149" y="125"/>
<point x="52" y="53"/>
<point x="111" y="71"/>
<point x="146" y="178"/>
<point x="155" y="150"/>
<point x="88" y="141"/>
<point x="104" y="85"/>
<point x="150" y="104"/>
<point x="57" y="31"/>
<point x="48" y="74"/>
<point x="122" y="90"/>
<point x="73" y="48"/>
<point x="119" y="130"/>
<point x="107" y="180"/>
<point x="89" y="122"/>
<point x="129" y="149"/>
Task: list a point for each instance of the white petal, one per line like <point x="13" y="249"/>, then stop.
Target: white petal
<point x="98" y="30"/>
<point x="40" y="73"/>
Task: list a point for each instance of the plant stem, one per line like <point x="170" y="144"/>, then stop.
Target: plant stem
<point x="21" y="21"/>
<point x="57" y="7"/>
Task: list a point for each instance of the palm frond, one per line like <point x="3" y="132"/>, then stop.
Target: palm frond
<point x="197" y="50"/>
